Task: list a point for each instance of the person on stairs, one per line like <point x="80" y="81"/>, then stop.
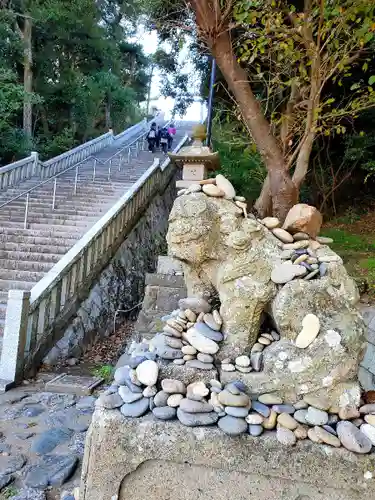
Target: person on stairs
<point x="164" y="139"/>
<point x="151" y="137"/>
<point x="172" y="132"/>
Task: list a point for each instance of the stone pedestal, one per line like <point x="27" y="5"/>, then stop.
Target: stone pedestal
<point x="148" y="459"/>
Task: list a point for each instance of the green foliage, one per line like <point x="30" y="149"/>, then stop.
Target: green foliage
<point x="105" y="371"/>
<point x="8" y="492"/>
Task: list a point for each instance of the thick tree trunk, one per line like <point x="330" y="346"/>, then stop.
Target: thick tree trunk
<point x="263" y="205"/>
<point x="27" y="78"/>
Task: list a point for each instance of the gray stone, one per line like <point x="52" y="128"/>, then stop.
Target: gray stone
<point x="161" y="399"/>
<point x="24" y="435"/>
<point x="210" y="321"/>
<point x="233" y="389"/>
<point x="256" y="361"/>
<point x="33" y="410"/>
<point x="136" y="409"/>
<point x="285" y="436"/>
<point x="52" y="470"/>
<point x="164" y="412"/>
<point x="78" y="423"/>
<point x="352" y="438"/>
<point x="191" y="406"/>
<point x="127" y="395"/>
<point x="255" y="430"/>
<point x="232" y="426"/>
<point x="205" y="358"/>
<point x="173" y="386"/>
<point x="328" y="428"/>
<point x="196" y="419"/>
<point x="136" y="360"/>
<point x="261" y="408"/>
<point x="284" y="409"/>
<point x="110" y="401"/>
<point x="300" y="416"/>
<point x="48" y="440"/>
<point x="5" y="479"/>
<point x="195" y="304"/>
<point x="121" y="375"/>
<point x="323" y="268"/>
<point x="235" y="411"/>
<point x="316" y="417"/>
<point x="199" y="365"/>
<point x="11" y="464"/>
<point x="86" y="402"/>
<point x="29" y="494"/>
<point x="209" y="332"/>
<point x="163" y="350"/>
<point x="240" y="385"/>
<point x="228" y="399"/>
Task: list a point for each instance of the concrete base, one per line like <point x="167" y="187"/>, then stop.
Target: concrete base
<point x="148" y="459"/>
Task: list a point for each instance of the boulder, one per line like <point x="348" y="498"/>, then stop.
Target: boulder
<point x="303" y="218"/>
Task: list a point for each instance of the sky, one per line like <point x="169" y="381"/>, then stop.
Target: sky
<point x="149" y="41"/>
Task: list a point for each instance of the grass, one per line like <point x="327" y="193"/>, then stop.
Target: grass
<point x="8" y="492"/>
<point x="105" y="371"/>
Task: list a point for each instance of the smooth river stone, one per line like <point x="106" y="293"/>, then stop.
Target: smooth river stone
<point x="225" y="186"/>
<point x="243" y="361"/>
<point x="136" y="409"/>
<point x="197" y="419"/>
<point x="197" y="390"/>
<point x="174" y="342"/>
<point x="327" y="437"/>
<point x="127" y="395"/>
<point x="309" y="332"/>
<point x="168" y="330"/>
<point x="369" y="431"/>
<point x="175" y="324"/>
<point x="228" y="399"/>
<point x="200" y="342"/>
<point x="208" y="332"/>
<point x="369" y="409"/>
<point x="255" y="430"/>
<point x="110" y="401"/>
<point x="232" y="426"/>
<point x="195" y="363"/>
<point x="235" y="411"/>
<point x="287" y="421"/>
<point x="209" y="320"/>
<point x="161" y="398"/>
<point x="205" y="358"/>
<point x="285" y="436"/>
<point x="284" y="409"/>
<point x="282" y="235"/>
<point x="257" y="361"/>
<point x="270" y="399"/>
<point x="316" y="417"/>
<point x="352" y="438"/>
<point x="254" y="419"/>
<point x="189" y="349"/>
<point x="271" y="222"/>
<point x="190" y="406"/>
<point x="212" y="190"/>
<point x="164" y="412"/>
<point x="147" y="372"/>
<point x="283" y="273"/>
<point x="172" y="386"/>
<point x="324" y="240"/>
<point x="261" y="408"/>
<point x="321" y="403"/>
<point x="174" y="400"/>
<point x="197" y="305"/>
<point x="300" y="416"/>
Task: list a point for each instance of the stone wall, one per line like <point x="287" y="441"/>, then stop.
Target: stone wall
<point x="366" y="372"/>
<point x="121" y="283"/>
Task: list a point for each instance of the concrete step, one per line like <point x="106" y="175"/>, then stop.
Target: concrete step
<point x="35" y="249"/>
<point x="19" y="275"/>
<point x="43" y="233"/>
<point x="52" y="216"/>
<point x="38" y="240"/>
<point x="6" y="285"/>
<point x="50" y="258"/>
<point x="14" y="265"/>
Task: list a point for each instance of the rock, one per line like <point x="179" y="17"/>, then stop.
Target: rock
<point x="173" y="332"/>
<point x="300" y="236"/>
<point x="164" y="412"/>
<point x="173" y="342"/>
<point x="122" y="377"/>
<point x="10" y="464"/>
<point x="190" y="315"/>
<point x="369" y="409"/>
<point x="261" y="408"/>
<point x="197" y="391"/>
<point x="287" y="421"/>
<point x="330" y="429"/>
<point x="52" y="470"/>
<point x="270" y="399"/>
<point x="324" y="240"/>
<point x="134" y="361"/>
<point x="313" y="436"/>
<point x="352" y="438"/>
<point x="149" y="392"/>
<point x="233" y="389"/>
<point x="316" y="417"/>
<point x="239" y="198"/>
<point x="195" y="305"/>
<point x="300" y="416"/>
<point x="322" y="403"/>
<point x="78" y="422"/>
<point x="136" y="409"/>
<point x="297" y="245"/>
<point x="212" y="190"/>
<point x="188" y="357"/>
<point x="301" y="432"/>
<point x="232" y="426"/>
<point x="33" y="410"/>
<point x="300" y="405"/>
<point x="284" y="409"/>
<point x="127" y="395"/>
<point x="255" y="430"/>
<point x="358" y="422"/>
<point x="271" y="222"/>
<point x="285" y="436"/>
<point x="225" y="186"/>
<point x="235" y="411"/>
<point x="369" y="431"/>
<point x="269" y="423"/>
<point x="257" y="361"/>
<point x="348" y="413"/>
<point x="228" y="399"/>
<point x="195" y="363"/>
<point x="216" y="383"/>
<point x="285" y="272"/>
<point x="264" y="341"/>
<point x="244" y="370"/>
<point x="110" y="401"/>
<point x="282" y="235"/>
<point x="189" y="349"/>
<point x="254" y="419"/>
<point x="228" y="367"/>
<point x="217" y="318"/>
<point x="370" y="419"/>
<point x="173" y="323"/>
<point x="309" y="332"/>
<point x="86" y="402"/>
<point x="191" y="406"/>
<point x="174" y="400"/>
<point x="303" y="218"/>
<point x="5" y="479"/>
<point x="161" y="399"/>
<point x="48" y="440"/>
<point x="208" y="332"/>
<point x="196" y="419"/>
<point x="209" y="320"/>
<point x="200" y="342"/>
<point x="29" y="494"/>
<point x="172" y="386"/>
<point x="205" y="358"/>
<point x="327" y="437"/>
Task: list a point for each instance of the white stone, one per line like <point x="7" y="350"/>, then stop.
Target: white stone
<point x="332" y="338"/>
<point x="299" y="365"/>
<point x="198" y="389"/>
<point x="283" y="235"/>
<point x="199" y="341"/>
<point x="309" y="332"/>
<point x="147" y="372"/>
<point x="189" y="349"/>
<point x="228" y="367"/>
<point x="282" y="273"/>
<point x="212" y="190"/>
<point x="217" y="317"/>
<point x="174" y="400"/>
<point x="254" y="419"/>
<point x="243" y="361"/>
<point x="225" y="186"/>
<point x="271" y="222"/>
<point x="150" y="391"/>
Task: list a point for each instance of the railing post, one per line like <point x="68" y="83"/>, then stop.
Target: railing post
<point x="26" y="211"/>
<point x="54" y="194"/>
<point x="35" y="156"/>
<point x="12" y="355"/>
<point x="109" y="169"/>
<point x="75" y="181"/>
<point x="129" y="154"/>
<point x="94" y="170"/>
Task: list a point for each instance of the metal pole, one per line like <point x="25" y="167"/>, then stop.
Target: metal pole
<point x="75" y="181"/>
<point x="210" y="102"/>
<point x="26" y="211"/>
<point x="109" y="170"/>
<point x="94" y="171"/>
<point x="54" y="194"/>
<point x="119" y="163"/>
<point x="129" y="155"/>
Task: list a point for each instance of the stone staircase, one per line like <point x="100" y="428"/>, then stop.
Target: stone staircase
<point x="26" y="255"/>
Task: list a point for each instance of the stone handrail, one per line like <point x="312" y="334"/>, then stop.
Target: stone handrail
<point x="34" y="319"/>
<point x="20" y="170"/>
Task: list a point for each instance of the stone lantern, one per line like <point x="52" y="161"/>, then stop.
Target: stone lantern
<point x="195" y="160"/>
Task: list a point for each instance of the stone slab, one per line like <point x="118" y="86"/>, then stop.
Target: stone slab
<point x="368" y="361"/>
<point x="168" y="265"/>
<point x="185" y="184"/>
<point x="366" y="379"/>
<point x="148" y="459"/>
<point x="165" y="280"/>
<point x="73" y="384"/>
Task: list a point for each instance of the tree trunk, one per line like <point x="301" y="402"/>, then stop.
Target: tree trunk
<point x="27" y="77"/>
<point x="263" y="205"/>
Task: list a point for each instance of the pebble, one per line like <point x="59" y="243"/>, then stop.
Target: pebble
<point x="264" y="341"/>
<point x="212" y="190"/>
<point x="300" y="416"/>
<point x="370" y="419"/>
<point x="261" y="408"/>
<point x="297" y="245"/>
<point x="208" y="332"/>
<point x="309" y="332"/>
<point x="271" y="222"/>
<point x="248" y="369"/>
<point x="287" y="421"/>
<point x="330" y="429"/>
<point x="284" y="408"/>
<point x="301" y="432"/>
<point x="205" y="358"/>
<point x="150" y="391"/>
<point x="48" y="440"/>
<point x="197" y="419"/>
<point x="216" y="383"/>
<point x="173" y="332"/>
<point x="286" y="254"/>
<point x="174" y="342"/>
<point x="228" y="367"/>
<point x="136" y="409"/>
<point x="172" y="386"/>
<point x="189" y="349"/>
<point x="323" y="268"/>
<point x="161" y="398"/>
<point x="134" y="361"/>
<point x="175" y="324"/>
<point x="179" y="362"/>
<point x="369" y="431"/>
<point x="51" y="470"/>
<point x="324" y="240"/>
<point x="313" y="436"/>
<point x="282" y="235"/>
<point x="236" y="411"/>
<point x="270" y="422"/>
<point x="327" y="437"/>
<point x="283" y="273"/>
<point x="270" y="399"/>
<point x="121" y="375"/>
<point x="240" y="385"/>
<point x="110" y="401"/>
<point x="358" y="422"/>
<point x="200" y="342"/>
<point x="225" y="186"/>
<point x="352" y="438"/>
<point x="332" y="419"/>
<point x="195" y="363"/>
<point x="200" y="317"/>
<point x="181" y="315"/>
<point x="127" y="395"/>
<point x="255" y="430"/>
<point x="191" y="406"/>
<point x="209" y="320"/>
<point x="316" y="417"/>
<point x="300" y="236"/>
<point x="232" y="426"/>
<point x="369" y="408"/>
<point x="239" y="198"/>
<point x="194" y="304"/>
<point x="164" y="412"/>
<point x="133" y="377"/>
<point x="275" y="335"/>
<point x="188" y="357"/>
<point x="257" y="361"/>
<point x="190" y="315"/>
<point x="174" y="400"/>
<point x="217" y="318"/>
<point x="267" y="336"/>
<point x="285" y="436"/>
<point x="243" y="361"/>
<point x="254" y="419"/>
<point x="300" y="405"/>
<point x="228" y="399"/>
<point x="197" y="391"/>
<point x="321" y="403"/>
<point x="349" y="413"/>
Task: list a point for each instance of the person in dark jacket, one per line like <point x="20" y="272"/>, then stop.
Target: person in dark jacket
<point x="151" y="137"/>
